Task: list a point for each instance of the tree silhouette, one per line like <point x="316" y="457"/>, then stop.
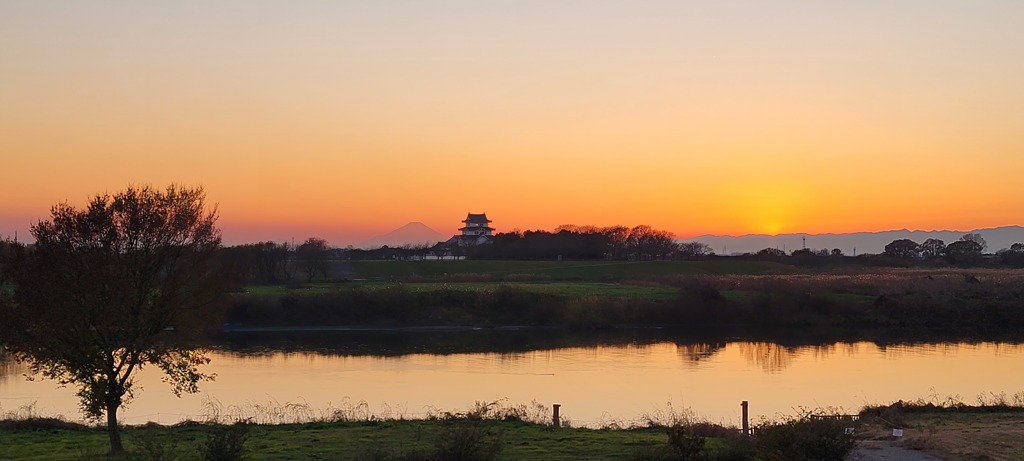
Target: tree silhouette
<point x="902" y="248"/>
<point x="694" y="250"/>
<point x="264" y="263"/>
<point x="648" y="243"/>
<point x="932" y="248"/>
<point x="312" y="257"/>
<point x="5" y="251"/>
<point x="770" y="253"/>
<point x="976" y="238"/>
<point x="1013" y="256"/>
<point x="963" y="252"/>
<point x="617" y="241"/>
<point x="126" y="282"/>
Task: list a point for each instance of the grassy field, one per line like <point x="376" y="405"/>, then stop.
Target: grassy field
<point x="957" y="435"/>
<point x="574" y="270"/>
<point x="564" y="289"/>
<point x="340" y="441"/>
<point x="948" y="301"/>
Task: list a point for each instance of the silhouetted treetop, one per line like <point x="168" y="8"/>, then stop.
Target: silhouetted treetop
<point x="902" y="248"/>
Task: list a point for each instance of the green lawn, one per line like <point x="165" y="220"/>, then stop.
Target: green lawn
<point x="341" y="441"/>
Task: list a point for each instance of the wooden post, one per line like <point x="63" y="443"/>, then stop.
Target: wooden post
<point x="746" y="421"/>
<point x="555" y="421"/>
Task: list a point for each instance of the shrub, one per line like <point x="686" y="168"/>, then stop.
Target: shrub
<point x="804" y="439"/>
<point x="701" y="290"/>
<point x="39" y="424"/>
<point x="151" y="447"/>
<point x="468" y="442"/>
<point x="687" y="444"/>
<point x="225" y="444"/>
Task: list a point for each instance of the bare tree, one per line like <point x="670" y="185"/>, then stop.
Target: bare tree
<point x="647" y="242"/>
<point x="617" y="240"/>
<point x="312" y="257"/>
<point x="128" y="281"/>
<point x="263" y="263"/>
<point x="694" y="250"/>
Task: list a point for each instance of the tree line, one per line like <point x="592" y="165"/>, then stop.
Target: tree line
<point x="641" y="242"/>
<point x="968" y="250"/>
<point x="270" y="263"/>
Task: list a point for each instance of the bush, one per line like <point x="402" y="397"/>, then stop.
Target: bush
<point x="687" y="444"/>
<point x="225" y="444"/>
<point x="804" y="439"/>
<point x="468" y="442"/>
<point x="35" y="423"/>
<point x="151" y="447"/>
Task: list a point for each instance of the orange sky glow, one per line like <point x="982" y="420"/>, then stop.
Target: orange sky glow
<point x="345" y="120"/>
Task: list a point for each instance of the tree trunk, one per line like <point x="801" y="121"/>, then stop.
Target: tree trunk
<point x="113" y="431"/>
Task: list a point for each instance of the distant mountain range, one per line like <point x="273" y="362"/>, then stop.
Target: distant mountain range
<point x="414" y="233"/>
<point x="855" y="243"/>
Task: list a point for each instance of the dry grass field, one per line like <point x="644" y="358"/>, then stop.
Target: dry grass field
<point x="957" y="436"/>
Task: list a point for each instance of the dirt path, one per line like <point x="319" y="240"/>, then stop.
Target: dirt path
<point x="877" y="450"/>
<point x="947" y="435"/>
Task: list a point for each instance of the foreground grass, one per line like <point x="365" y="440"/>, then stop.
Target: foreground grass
<point x="953" y="432"/>
<point x="344" y="441"/>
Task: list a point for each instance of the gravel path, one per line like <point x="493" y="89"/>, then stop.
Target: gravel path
<point x="873" y="450"/>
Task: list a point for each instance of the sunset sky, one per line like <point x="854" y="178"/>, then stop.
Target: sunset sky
<point x="347" y="119"/>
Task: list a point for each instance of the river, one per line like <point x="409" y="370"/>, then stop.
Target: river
<point x="624" y="382"/>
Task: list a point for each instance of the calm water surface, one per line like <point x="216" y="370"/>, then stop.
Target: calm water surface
<point x="595" y="385"/>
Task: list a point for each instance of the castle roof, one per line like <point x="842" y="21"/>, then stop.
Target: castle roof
<point x="476" y="218"/>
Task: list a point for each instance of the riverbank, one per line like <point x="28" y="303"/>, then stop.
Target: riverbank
<point x="366" y="440"/>
<point x="951" y="302"/>
<point x="950" y="434"/>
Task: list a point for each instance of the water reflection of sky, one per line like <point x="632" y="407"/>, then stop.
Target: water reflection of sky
<point x="595" y="385"/>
